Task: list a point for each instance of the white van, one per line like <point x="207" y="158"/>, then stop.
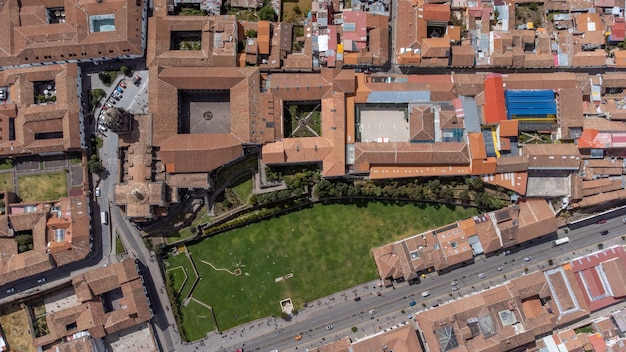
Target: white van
<point x="104" y="217"/>
<point x="425" y="294"/>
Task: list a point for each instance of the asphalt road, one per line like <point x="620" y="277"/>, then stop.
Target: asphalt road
<point x="343" y="316"/>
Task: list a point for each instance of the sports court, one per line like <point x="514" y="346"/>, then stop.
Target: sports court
<point x="382" y="123"/>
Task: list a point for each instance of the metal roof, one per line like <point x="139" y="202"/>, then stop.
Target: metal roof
<point x="399" y="97"/>
<point x="520" y="103"/>
<point x="471" y="117"/>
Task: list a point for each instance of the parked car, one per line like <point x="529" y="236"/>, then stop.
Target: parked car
<point x="499" y="268"/>
<point x="123" y="84"/>
<point x="507" y="252"/>
<point x="604" y="233"/>
<point x="527" y="259"/>
<point x="41" y="280"/>
<point x="425" y="293"/>
<point x="356" y="299"/>
<point x="412" y="303"/>
<point x="119" y="90"/>
<point x="102" y="128"/>
<point x="137" y="80"/>
<point x="455" y="288"/>
<point x="98" y="192"/>
<point x="11" y="290"/>
<point x="603" y="221"/>
<point x="298" y="337"/>
<point x="453" y="283"/>
<point x="624" y="220"/>
<point x="372" y="311"/>
<point x="482" y="275"/>
<point x="329" y="327"/>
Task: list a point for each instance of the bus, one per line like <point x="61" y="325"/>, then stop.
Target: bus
<point x="560" y="241"/>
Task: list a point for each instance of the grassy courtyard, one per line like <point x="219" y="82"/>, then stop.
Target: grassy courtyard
<point x="6" y="182"/>
<point x="14" y="321"/>
<point x="42" y="187"/>
<point x="243" y="188"/>
<point x="179" y="268"/>
<point x="326" y="248"/>
<point x="197" y="320"/>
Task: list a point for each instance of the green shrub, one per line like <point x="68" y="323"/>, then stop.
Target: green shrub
<point x="105" y="77"/>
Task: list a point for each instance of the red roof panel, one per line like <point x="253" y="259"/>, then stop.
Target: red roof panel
<point x="495" y="109"/>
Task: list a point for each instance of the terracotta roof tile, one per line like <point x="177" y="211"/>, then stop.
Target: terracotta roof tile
<point x="463" y="56"/>
<point x="422" y="123"/>
<point x="34" y="40"/>
<point x="412" y="154"/>
<point x="196" y="153"/>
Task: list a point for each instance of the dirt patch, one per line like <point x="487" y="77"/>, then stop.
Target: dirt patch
<point x="529" y="13"/>
<point x="16" y="330"/>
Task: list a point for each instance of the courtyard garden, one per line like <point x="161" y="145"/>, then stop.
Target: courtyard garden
<point x="42" y="187"/>
<point x="6" y="182"/>
<point x="17" y="333"/>
<point x="304" y="255"/>
<point x="303" y="120"/>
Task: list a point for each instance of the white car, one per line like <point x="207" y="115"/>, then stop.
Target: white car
<point x="527" y="259"/>
<point x="11" y="290"/>
<point x="41" y="280"/>
<point x="453" y="283"/>
<point x="102" y="128"/>
<point x="425" y="293"/>
<point x="482" y="275"/>
<point x="98" y="192"/>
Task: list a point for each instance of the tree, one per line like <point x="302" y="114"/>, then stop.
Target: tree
<point x="251" y="33"/>
<point x="117" y="119"/>
<point x="95" y="165"/>
<point x="127" y="71"/>
<point x="267" y="13"/>
<point x="105" y="77"/>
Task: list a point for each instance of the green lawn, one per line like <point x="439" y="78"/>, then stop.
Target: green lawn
<point x="243" y="188"/>
<point x="177" y="276"/>
<point x="6" y="182"/>
<point x="197" y="320"/>
<point x="326" y="248"/>
<point x="42" y="187"/>
<point x="181" y="260"/>
<point x="119" y="246"/>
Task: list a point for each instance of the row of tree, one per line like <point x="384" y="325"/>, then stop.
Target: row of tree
<point x="470" y="191"/>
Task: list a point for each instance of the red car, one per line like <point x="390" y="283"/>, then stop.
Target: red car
<point x="602" y="221"/>
<point x="122" y="84"/>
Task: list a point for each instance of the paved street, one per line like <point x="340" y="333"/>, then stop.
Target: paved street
<point x="343" y="313"/>
<point x="340" y="309"/>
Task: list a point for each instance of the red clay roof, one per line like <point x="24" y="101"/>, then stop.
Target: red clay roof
<point x="26" y="37"/>
<point x="495" y="109"/>
<point x="198" y="152"/>
<point x="263" y="37"/>
<point x="436" y="12"/>
<point x="477" y="145"/>
<point x="509" y="128"/>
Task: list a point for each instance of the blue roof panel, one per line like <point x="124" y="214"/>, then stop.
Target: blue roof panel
<point x="530" y="102"/>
